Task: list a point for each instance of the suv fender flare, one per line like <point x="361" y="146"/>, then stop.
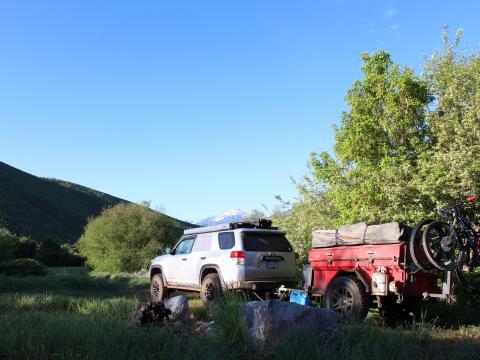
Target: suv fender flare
<point x="159" y="267"/>
<point x="217" y="269"/>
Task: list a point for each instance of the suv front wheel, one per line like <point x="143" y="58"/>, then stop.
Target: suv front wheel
<point x="211" y="289"/>
<point x="158" y="291"/>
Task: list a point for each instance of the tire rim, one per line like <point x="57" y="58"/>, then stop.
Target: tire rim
<point x="342" y="301"/>
<point x="208" y="291"/>
<point x="155" y="289"/>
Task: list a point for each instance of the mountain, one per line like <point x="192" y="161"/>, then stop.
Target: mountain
<point x="227" y="217"/>
<point x="49" y="208"/>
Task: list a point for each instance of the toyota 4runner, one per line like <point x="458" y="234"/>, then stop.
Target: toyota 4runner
<point x="242" y="256"/>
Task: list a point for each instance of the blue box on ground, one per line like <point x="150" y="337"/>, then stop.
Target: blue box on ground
<point x="299" y="297"/>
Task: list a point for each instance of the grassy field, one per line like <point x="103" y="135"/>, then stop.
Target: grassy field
<point x="71" y="314"/>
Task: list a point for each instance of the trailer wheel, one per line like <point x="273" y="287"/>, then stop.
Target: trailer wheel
<point x="347" y="297"/>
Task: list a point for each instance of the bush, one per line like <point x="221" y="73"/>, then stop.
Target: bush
<point x="9" y="244"/>
<point x="52" y="254"/>
<point x="22" y="267"/>
<point x="126" y="237"/>
<point x="27" y="248"/>
<point x="14" y="247"/>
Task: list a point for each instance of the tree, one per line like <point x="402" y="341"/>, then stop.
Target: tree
<point x="52" y="253"/>
<point x="254" y="216"/>
<point x="126" y="237"/>
<point x="407" y="145"/>
<point x="9" y="244"/>
<point x="451" y="169"/>
<point x="377" y="145"/>
<point x="27" y="248"/>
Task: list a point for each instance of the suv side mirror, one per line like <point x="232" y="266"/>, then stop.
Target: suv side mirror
<point x="168" y="250"/>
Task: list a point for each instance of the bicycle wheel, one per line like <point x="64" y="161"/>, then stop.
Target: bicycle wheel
<point x="415" y="246"/>
<point x="468" y="272"/>
<point x="440" y="243"/>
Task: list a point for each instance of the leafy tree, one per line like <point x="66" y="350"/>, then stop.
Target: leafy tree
<point x="377" y="145"/>
<point x="9" y="244"/>
<point x="255" y="215"/>
<point x="310" y="211"/>
<point x="451" y="169"/>
<point x="126" y="237"/>
<point x="27" y="248"/>
<point x="407" y="145"/>
<point x="52" y="253"/>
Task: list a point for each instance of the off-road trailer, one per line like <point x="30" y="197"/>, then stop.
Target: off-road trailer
<point x="351" y="279"/>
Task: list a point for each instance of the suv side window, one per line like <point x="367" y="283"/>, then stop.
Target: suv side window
<point x="226" y="240"/>
<point x="185" y="246"/>
<point x="203" y="242"/>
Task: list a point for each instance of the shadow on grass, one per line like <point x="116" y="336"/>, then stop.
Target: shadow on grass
<point x="77" y="281"/>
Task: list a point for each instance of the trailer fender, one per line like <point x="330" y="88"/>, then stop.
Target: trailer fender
<point x="363" y="279"/>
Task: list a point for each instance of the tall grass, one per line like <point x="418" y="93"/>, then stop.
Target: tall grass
<point x="57" y="319"/>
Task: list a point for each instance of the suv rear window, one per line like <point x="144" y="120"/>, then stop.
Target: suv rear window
<point x="263" y="241"/>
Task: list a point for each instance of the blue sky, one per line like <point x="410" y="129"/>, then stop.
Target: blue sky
<point x="197" y="106"/>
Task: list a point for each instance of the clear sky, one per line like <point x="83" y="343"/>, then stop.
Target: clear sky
<point x="197" y="106"/>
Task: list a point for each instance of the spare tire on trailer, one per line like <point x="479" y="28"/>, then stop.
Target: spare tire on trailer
<point x="347" y="296"/>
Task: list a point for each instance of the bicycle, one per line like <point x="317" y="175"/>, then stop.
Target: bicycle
<point x="452" y="244"/>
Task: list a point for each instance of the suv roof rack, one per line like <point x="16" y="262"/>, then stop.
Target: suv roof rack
<point x="260" y="224"/>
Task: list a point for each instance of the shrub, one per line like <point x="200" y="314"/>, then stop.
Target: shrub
<point x="14" y="247"/>
<point x="22" y="267"/>
<point x="52" y="254"/>
<point x="9" y="245"/>
<point x="27" y="248"/>
<point x="126" y="237"/>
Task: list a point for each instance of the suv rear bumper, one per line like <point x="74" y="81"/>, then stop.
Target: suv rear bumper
<point x="261" y="284"/>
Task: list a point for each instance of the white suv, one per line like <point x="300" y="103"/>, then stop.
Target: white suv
<point x="243" y="256"/>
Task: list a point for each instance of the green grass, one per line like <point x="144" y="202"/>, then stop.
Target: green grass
<point x="72" y="314"/>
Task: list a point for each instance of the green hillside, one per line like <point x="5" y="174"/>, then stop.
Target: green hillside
<point x="42" y="208"/>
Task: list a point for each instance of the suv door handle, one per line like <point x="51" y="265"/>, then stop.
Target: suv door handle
<point x="203" y="258"/>
<point x="184" y="259"/>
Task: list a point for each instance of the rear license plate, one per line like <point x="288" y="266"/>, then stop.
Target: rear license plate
<point x="272" y="264"/>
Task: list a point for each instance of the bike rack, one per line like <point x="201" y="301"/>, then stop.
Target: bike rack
<point x="446" y="289"/>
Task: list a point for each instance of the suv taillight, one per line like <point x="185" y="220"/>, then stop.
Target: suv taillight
<point x="238" y="257"/>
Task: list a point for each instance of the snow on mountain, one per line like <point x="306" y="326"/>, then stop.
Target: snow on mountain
<point x="227" y="217"/>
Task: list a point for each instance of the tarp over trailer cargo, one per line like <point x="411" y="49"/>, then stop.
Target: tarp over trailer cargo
<point x="362" y="233"/>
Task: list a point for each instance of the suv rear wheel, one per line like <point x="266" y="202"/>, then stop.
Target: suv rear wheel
<point x="347" y="297"/>
<point x="158" y="291"/>
<point x="211" y="289"/>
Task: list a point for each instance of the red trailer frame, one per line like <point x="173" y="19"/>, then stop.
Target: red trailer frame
<point x="386" y="272"/>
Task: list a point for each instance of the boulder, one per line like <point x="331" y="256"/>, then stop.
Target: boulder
<point x="269" y="321"/>
<point x="178" y="305"/>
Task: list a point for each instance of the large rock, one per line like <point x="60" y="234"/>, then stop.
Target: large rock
<point x="269" y="321"/>
<point x="178" y="305"/>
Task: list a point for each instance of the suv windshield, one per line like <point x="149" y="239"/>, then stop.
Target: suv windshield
<point x="263" y="241"/>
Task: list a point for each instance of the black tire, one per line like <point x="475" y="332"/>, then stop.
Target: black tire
<point x="347" y="297"/>
<point x="440" y="244"/>
<point x="415" y="244"/>
<point x="158" y="291"/>
<point x="211" y="290"/>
